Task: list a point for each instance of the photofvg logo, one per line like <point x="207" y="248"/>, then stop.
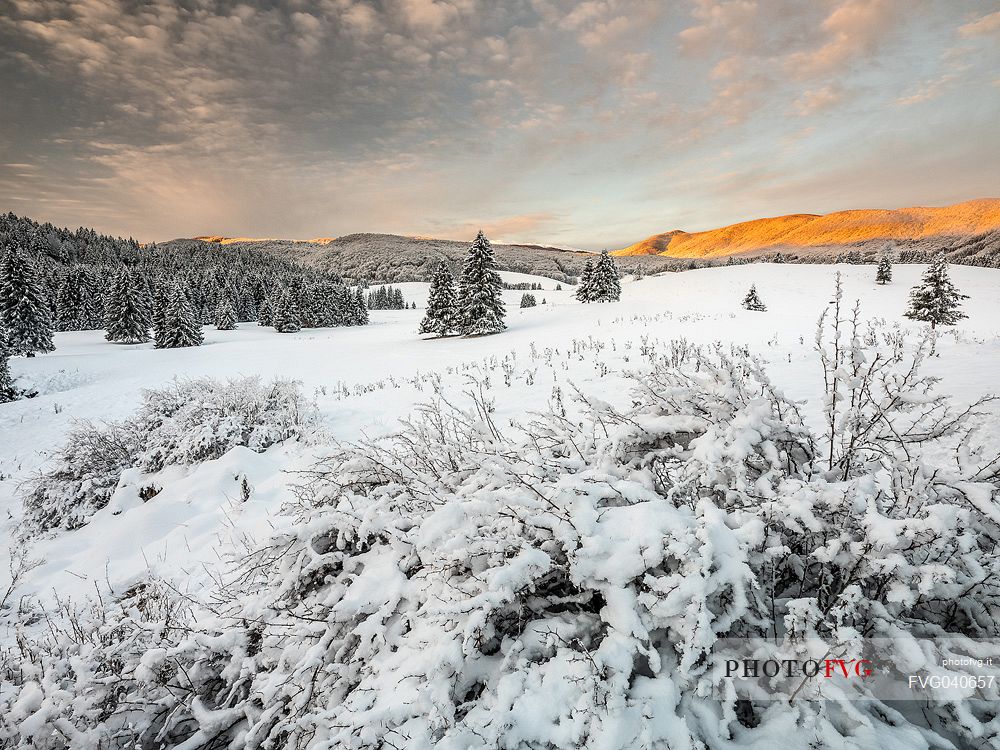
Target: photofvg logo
<point x="903" y="669"/>
<point x="829" y="668"/>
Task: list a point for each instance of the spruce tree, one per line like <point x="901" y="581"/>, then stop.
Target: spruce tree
<point x="24" y="311"/>
<point x="161" y="298"/>
<point x="604" y="283"/>
<point x="883" y="275"/>
<point x="480" y="303"/>
<point x="286" y="314"/>
<point x="8" y="391"/>
<point x="127" y="309"/>
<point x="442" y="304"/>
<point x="528" y="300"/>
<point x="181" y="326"/>
<point x="583" y="289"/>
<point x="935" y="299"/>
<point x="752" y="300"/>
<point x="265" y="313"/>
<point x="360" y="309"/>
<point x="297" y="295"/>
<point x="225" y="316"/>
<point x="71" y="301"/>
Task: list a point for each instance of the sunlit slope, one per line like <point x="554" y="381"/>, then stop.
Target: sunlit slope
<point x="813" y="231"/>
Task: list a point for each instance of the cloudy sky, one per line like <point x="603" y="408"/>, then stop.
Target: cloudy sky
<point x="589" y="124"/>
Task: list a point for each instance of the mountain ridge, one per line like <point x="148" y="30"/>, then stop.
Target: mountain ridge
<point x="823" y="232"/>
<point x="391" y="258"/>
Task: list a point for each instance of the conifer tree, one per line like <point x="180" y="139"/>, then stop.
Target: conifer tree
<point x="883" y="275"/>
<point x="442" y="304"/>
<point x="935" y="299"/>
<point x="480" y="302"/>
<point x="8" y="391"/>
<point x="324" y="299"/>
<point x="583" y="290"/>
<point x="360" y="309"/>
<point x="161" y="298"/>
<point x="605" y="285"/>
<point x="225" y="316"/>
<point x="127" y="309"/>
<point x="24" y="311"/>
<point x="181" y="326"/>
<point x="72" y="301"/>
<point x="528" y="300"/>
<point x="265" y="313"/>
<point x="752" y="300"/>
<point x="286" y="314"/>
<point x="299" y="302"/>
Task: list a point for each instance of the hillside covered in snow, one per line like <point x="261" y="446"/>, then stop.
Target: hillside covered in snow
<point x="390" y="258"/>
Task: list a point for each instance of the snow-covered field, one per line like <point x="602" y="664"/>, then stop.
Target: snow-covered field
<point x="363" y="381"/>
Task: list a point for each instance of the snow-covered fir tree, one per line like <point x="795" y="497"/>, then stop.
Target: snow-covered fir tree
<point x="265" y="312"/>
<point x="480" y="303"/>
<point x="360" y="309"/>
<point x="935" y="299"/>
<point x="528" y="300"/>
<point x="181" y="327"/>
<point x="883" y="273"/>
<point x="752" y="300"/>
<point x="387" y="298"/>
<point x="160" y="298"/>
<point x="76" y="302"/>
<point x="606" y="286"/>
<point x="127" y="308"/>
<point x="286" y="314"/>
<point x="25" y="318"/>
<point x="584" y="289"/>
<point x="8" y="391"/>
<point x="225" y="316"/>
<point x="599" y="282"/>
<point x="442" y="304"/>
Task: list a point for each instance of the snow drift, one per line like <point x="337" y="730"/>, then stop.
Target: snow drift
<point x="186" y="422"/>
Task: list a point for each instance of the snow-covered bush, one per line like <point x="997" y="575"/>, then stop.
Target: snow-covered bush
<point x="186" y="422"/>
<point x="58" y="690"/>
<point x="562" y="583"/>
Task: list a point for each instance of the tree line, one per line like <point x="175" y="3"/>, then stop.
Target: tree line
<point x="54" y="279"/>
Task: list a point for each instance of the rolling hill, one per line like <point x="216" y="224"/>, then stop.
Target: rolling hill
<point x="972" y="225"/>
<point x="394" y="258"/>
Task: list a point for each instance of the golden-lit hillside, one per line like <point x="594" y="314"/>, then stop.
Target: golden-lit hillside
<point x="810" y="230"/>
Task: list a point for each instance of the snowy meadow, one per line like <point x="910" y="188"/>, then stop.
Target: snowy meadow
<point x="530" y="539"/>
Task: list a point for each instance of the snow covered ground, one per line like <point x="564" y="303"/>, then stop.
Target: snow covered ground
<point x="365" y="379"/>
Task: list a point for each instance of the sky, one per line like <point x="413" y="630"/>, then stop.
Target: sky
<point x="580" y="124"/>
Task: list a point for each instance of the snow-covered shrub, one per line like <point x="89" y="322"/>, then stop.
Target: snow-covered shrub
<point x="60" y="689"/>
<point x="562" y="583"/>
<point x="186" y="422"/>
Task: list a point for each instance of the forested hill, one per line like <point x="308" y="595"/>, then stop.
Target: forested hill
<point x="391" y="258"/>
<point x="77" y="268"/>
